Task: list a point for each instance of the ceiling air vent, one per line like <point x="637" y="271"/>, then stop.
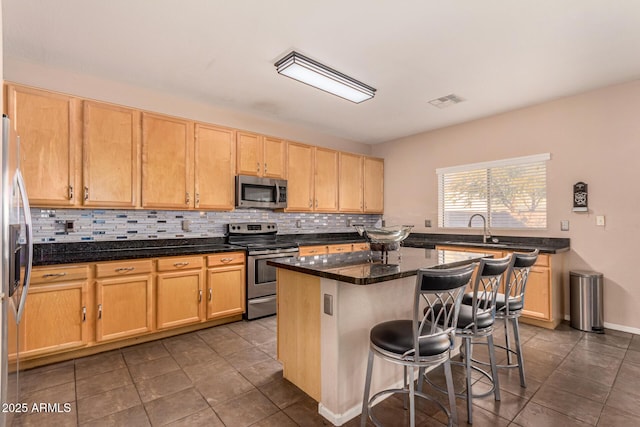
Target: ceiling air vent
<point x="446" y="101"/>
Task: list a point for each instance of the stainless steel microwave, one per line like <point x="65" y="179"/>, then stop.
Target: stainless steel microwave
<point x="264" y="193"/>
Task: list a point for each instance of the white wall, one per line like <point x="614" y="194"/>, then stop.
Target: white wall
<point x="86" y="86"/>
<point x="592" y="137"/>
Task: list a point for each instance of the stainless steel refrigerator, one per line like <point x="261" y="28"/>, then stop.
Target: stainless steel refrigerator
<point x="17" y="256"/>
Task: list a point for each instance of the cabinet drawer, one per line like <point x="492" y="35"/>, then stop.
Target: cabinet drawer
<point x="59" y="274"/>
<point x="364" y="246"/>
<point x="123" y="268"/>
<point x="313" y="250"/>
<point x="225" y="258"/>
<point x="337" y="249"/>
<point x="181" y="263"/>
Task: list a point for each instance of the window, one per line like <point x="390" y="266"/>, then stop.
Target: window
<point x="510" y="193"/>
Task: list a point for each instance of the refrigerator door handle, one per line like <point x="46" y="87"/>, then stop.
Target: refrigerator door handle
<point x="29" y="246"/>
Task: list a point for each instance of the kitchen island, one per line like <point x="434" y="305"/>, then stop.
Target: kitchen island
<point x="327" y="305"/>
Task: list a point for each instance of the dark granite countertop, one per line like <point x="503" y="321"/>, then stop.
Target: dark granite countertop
<point x="357" y="268"/>
<point x="548" y="245"/>
<point x="69" y="253"/>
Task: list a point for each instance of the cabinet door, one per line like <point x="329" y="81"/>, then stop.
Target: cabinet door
<point x="49" y="130"/>
<point x="537" y="297"/>
<point x="300" y="177"/>
<point x="178" y="298"/>
<point x="111" y="144"/>
<point x="214" y="168"/>
<point x="167" y="159"/>
<point x="54" y="318"/>
<point x="350" y="190"/>
<point x="373" y="185"/>
<point x="326" y="180"/>
<point x="249" y="154"/>
<point x="274" y="155"/>
<point x="226" y="291"/>
<point x="124" y="307"/>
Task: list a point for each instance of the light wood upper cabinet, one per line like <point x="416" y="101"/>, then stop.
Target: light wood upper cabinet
<point x="274" y="155"/>
<point x="300" y="177"/>
<point x="260" y="155"/>
<point x="325" y="180"/>
<point x="350" y="183"/>
<point x="215" y="150"/>
<point x="167" y="162"/>
<point x="48" y="125"/>
<point x="373" y="185"/>
<point x="111" y="155"/>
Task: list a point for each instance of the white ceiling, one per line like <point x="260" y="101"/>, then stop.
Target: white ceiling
<point x="497" y="54"/>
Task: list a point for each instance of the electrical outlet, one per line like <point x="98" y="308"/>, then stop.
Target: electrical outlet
<point x="186" y="225"/>
<point x="427" y="223"/>
<point x="564" y="225"/>
<point x="298" y="223"/>
<point x="600" y="220"/>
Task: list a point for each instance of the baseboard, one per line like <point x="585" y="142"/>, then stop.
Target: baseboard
<point x="615" y="327"/>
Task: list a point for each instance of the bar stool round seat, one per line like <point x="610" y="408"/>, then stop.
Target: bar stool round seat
<point x="424" y="341"/>
<point x="396" y="336"/>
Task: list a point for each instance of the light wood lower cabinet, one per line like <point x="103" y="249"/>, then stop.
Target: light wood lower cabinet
<point x="73" y="309"/>
<point x="55" y="317"/>
<point x="225" y="285"/>
<point x="124" y="302"/>
<point x="179" y="291"/>
<point x="543" y="294"/>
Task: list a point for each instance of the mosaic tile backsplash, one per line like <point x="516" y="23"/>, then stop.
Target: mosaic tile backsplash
<point x="50" y="225"/>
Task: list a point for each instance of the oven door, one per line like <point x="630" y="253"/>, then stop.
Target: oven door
<point x="261" y="278"/>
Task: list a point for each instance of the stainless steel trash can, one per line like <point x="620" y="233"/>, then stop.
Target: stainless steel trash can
<point x="587" y="313"/>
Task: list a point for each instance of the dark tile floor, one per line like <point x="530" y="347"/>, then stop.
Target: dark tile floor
<point x="228" y="376"/>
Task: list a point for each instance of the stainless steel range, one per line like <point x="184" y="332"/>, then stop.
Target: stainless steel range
<point x="261" y="243"/>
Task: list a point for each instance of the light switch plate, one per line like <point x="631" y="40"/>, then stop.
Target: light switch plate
<point x="600" y="220"/>
<point x="328" y="304"/>
<point x="564" y="225"/>
<point x="427" y="223"/>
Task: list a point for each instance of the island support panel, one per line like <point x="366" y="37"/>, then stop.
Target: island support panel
<point x="298" y="336"/>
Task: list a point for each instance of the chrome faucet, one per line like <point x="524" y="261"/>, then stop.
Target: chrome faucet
<point x="486" y="234"/>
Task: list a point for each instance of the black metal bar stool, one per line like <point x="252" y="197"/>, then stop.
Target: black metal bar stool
<point x="476" y="320"/>
<point x="510" y="304"/>
<point x="421" y="342"/>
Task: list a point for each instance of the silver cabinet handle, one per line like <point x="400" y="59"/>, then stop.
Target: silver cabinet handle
<point x="200" y="295"/>
<point x="99" y="311"/>
<point x="84" y="313"/>
<point x="197" y="199"/>
<point x="124" y="269"/>
<point x="46" y="276"/>
<point x="258" y="167"/>
<point x="180" y="264"/>
<point x="86" y="192"/>
<point x="310" y="203"/>
<point x="187" y="199"/>
<point x="70" y="192"/>
<point x="210" y="294"/>
<point x="316" y="203"/>
<point x="265" y="168"/>
<point x="226" y="260"/>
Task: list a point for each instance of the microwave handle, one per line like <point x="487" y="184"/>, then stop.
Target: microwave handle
<point x="277" y="193"/>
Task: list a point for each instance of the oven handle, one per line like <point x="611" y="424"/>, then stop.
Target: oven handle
<point x="262" y="300"/>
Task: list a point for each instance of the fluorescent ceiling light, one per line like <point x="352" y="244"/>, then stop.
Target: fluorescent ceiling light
<point x="320" y="76"/>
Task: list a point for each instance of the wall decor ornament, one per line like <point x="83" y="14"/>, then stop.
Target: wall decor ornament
<point x="580" y="197"/>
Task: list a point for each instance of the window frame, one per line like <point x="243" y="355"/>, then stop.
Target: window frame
<point x="485" y="167"/>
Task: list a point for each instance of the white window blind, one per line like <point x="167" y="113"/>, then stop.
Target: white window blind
<point x="510" y="193"/>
